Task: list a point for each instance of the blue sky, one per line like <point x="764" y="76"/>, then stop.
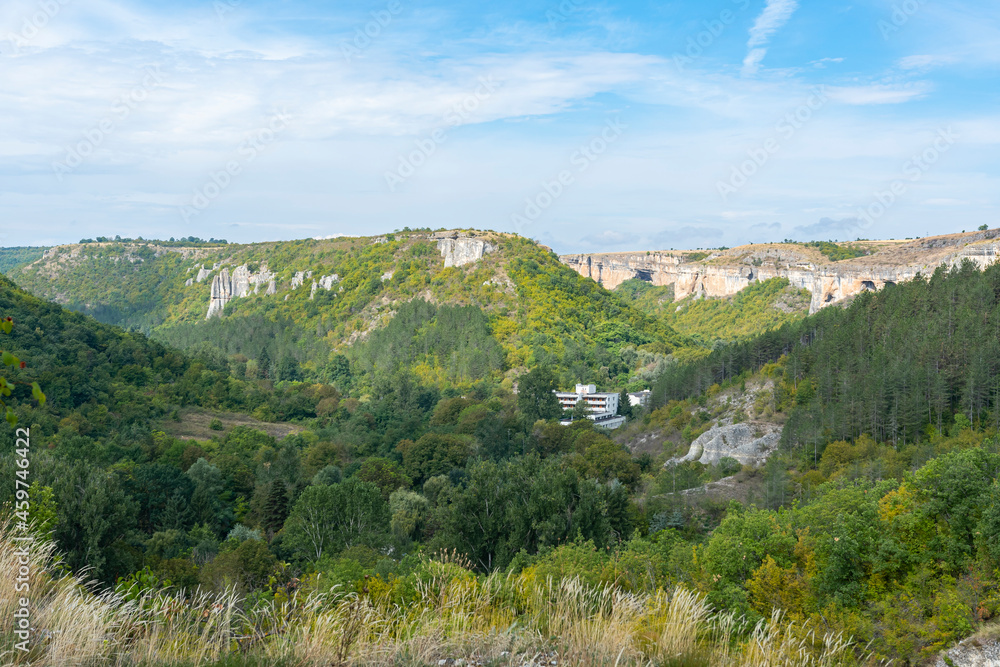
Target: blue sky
<point x="589" y="126"/>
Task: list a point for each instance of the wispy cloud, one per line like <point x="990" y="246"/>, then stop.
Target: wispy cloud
<point x="878" y="93"/>
<point x="774" y="16"/>
<point x="224" y="75"/>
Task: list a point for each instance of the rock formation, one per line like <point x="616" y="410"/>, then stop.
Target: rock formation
<point x="463" y="250"/>
<point x="325" y="282"/>
<point x="724" y="273"/>
<point x="202" y="274"/>
<point x="300" y="278"/>
<point x="748" y="443"/>
<point x="225" y="288"/>
<point x="222" y="293"/>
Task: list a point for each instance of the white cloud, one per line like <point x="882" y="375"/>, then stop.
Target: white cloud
<point x="926" y="62"/>
<point x="878" y="93"/>
<point x="822" y="62"/>
<point x="775" y="15"/>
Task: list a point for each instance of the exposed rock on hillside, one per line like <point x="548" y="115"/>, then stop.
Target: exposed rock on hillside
<point x="725" y="273"/>
<point x="749" y="443"/>
<point x="971" y="652"/>
<point x="461" y="251"/>
<point x="225" y="288"/>
<point x="325" y="282"/>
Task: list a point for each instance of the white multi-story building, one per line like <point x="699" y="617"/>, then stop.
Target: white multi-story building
<point x="595" y="401"/>
<point x="602" y="407"/>
<point x="639" y="398"/>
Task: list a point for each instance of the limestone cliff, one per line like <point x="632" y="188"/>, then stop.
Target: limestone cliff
<point x="462" y="250"/>
<point x="726" y="272"/>
<point x="241" y="283"/>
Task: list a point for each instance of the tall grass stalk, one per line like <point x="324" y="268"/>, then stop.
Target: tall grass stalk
<point x="500" y="619"/>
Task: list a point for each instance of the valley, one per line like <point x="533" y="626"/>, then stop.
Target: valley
<point x="347" y="426"/>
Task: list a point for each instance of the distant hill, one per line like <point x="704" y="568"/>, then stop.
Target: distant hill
<point x="11" y="258"/>
<point x="832" y="272"/>
<point x="297" y="310"/>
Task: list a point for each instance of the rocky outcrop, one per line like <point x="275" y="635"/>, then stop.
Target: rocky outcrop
<point x="972" y="652"/>
<point x="724" y="273"/>
<point x="241" y="283"/>
<point x="463" y="250"/>
<point x="325" y="282"/>
<point x="222" y="293"/>
<point x="749" y="443"/>
<point x="202" y="274"/>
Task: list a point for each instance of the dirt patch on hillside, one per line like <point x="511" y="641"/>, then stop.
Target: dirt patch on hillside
<point x="195" y="425"/>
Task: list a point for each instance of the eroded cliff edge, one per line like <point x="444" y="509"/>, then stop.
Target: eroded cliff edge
<point x="726" y="272"/>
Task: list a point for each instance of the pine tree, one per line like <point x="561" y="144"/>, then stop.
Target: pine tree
<point x="264" y="363"/>
<point x="624" y="404"/>
<point x="276" y="508"/>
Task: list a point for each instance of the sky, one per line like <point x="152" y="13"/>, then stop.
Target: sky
<point x="589" y="126"/>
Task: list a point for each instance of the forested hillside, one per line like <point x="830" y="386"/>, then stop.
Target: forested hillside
<point x="535" y="309"/>
<point x="760" y="307"/>
<point x="413" y="477"/>
<point x="12" y="258"/>
<point x="893" y="365"/>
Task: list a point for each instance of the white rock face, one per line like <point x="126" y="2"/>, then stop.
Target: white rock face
<point x="225" y="288"/>
<point x="202" y="274"/>
<point x="325" y="282"/>
<point x="189" y="282"/>
<point x="222" y="293"/>
<point x="732" y="270"/>
<point x="241" y="281"/>
<point x="300" y="277"/>
<point x="749" y="443"/>
<point x="461" y="251"/>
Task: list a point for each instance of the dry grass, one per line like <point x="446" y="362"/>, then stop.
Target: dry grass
<point x="194" y="425"/>
<point x="493" y="620"/>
